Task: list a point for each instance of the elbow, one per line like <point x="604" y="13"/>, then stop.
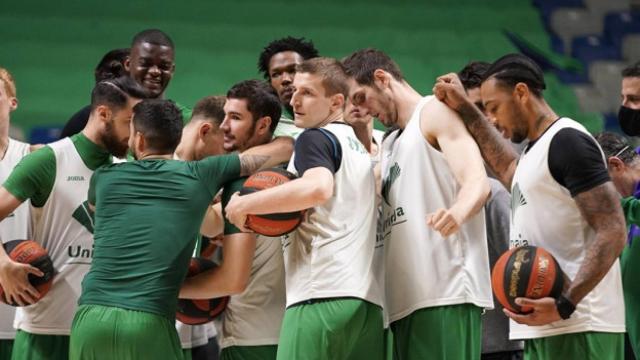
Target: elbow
<point x="238" y="285"/>
<point x="321" y="194"/>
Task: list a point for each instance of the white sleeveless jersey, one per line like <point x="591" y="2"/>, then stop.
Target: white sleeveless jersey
<point x="63" y="227"/>
<point x="254" y="317"/>
<point x="423" y="269"/>
<point x="15" y="226"/>
<point x="331" y="254"/>
<point x="544" y="214"/>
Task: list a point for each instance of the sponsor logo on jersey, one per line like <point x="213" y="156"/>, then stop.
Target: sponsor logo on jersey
<point x="517" y="200"/>
<point x="387" y="182"/>
<point x="356" y="145"/>
<point x="78" y="251"/>
<point x="75" y="178"/>
<point x="84" y="216"/>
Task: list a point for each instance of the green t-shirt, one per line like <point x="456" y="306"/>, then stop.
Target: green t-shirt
<point x="147" y="217"/>
<point x="229" y="189"/>
<point x="35" y="174"/>
<point x="630" y="268"/>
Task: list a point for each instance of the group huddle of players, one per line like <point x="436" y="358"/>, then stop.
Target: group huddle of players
<point x="391" y="260"/>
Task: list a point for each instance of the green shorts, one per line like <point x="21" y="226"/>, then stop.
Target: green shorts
<point x="578" y="346"/>
<point x="5" y="349"/>
<point x="27" y="346"/>
<point x="103" y="332"/>
<point x="264" y="352"/>
<point x="451" y="332"/>
<point x="332" y="329"/>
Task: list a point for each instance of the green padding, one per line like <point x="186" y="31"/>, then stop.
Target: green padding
<point x="51" y="48"/>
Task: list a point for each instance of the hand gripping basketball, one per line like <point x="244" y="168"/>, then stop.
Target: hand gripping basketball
<point x="14" y="279"/>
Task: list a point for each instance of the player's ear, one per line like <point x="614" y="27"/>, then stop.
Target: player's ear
<point x="381" y="78"/>
<point x="13" y="103"/>
<point x="104" y="113"/>
<point x="615" y="164"/>
<point x="204" y="129"/>
<point x="263" y="125"/>
<point x="337" y="102"/>
<point x="521" y="91"/>
<point x="127" y="63"/>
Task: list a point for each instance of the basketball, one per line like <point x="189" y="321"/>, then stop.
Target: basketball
<point x="30" y="252"/>
<point x="526" y="271"/>
<point x="197" y="312"/>
<point x="271" y="224"/>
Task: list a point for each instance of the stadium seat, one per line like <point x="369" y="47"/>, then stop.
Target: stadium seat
<point x="602" y="7"/>
<point x="606" y="77"/>
<point x="619" y="24"/>
<point x="590" y="99"/>
<point x="571" y="22"/>
<point x="591" y="48"/>
<point x="44" y="134"/>
<point x="631" y="47"/>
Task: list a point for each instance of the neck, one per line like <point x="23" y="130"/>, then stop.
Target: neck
<point x="183" y="152"/>
<point x="541" y="117"/>
<point x="92" y="132"/>
<point x="4" y="137"/>
<point x="364" y="133"/>
<point x="334" y="116"/>
<point x="406" y="100"/>
<point x="150" y="154"/>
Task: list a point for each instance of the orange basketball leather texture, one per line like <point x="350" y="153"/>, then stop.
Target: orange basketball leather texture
<point x="526" y="271"/>
<point x="30" y="252"/>
<point x="201" y="311"/>
<point x="271" y="224"/>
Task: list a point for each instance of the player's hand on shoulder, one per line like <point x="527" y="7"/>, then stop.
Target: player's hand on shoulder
<point x="448" y="89"/>
<point x="14" y="278"/>
<point x="444" y="221"/>
<point x="234" y="212"/>
<point x="544" y="312"/>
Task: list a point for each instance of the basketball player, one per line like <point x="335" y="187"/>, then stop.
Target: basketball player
<point x="277" y="62"/>
<point x="629" y="114"/>
<point x="495" y="326"/>
<point x="16" y="225"/>
<point x="145" y="234"/>
<point x="201" y="137"/>
<point x="624" y="169"/>
<point x="151" y="63"/>
<point x="54" y="179"/>
<point x="110" y="66"/>
<point x="252" y="266"/>
<point x="563" y="201"/>
<point x="437" y="270"/>
<point x="333" y="299"/>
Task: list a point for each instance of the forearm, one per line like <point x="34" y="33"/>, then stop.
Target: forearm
<point x="471" y="198"/>
<point x="497" y="152"/>
<point x="298" y="194"/>
<point x="599" y="258"/>
<point x="231" y="277"/>
<point x="260" y="157"/>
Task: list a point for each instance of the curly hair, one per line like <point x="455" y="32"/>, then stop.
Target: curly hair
<point x="306" y="49"/>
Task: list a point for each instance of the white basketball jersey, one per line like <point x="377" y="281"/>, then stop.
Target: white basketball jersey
<point x="423" y="269"/>
<point x="254" y="317"/>
<point x="64" y="228"/>
<point x="16" y="226"/>
<point x="544" y="214"/>
<point x="331" y="254"/>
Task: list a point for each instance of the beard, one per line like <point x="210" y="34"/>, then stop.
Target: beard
<point x="111" y="143"/>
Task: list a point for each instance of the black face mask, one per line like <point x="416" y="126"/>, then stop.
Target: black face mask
<point x="629" y="121"/>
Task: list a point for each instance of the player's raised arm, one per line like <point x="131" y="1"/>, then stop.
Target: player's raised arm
<point x="496" y="151"/>
<point x="442" y="126"/>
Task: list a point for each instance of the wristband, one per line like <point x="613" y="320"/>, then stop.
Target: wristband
<point x="565" y="307"/>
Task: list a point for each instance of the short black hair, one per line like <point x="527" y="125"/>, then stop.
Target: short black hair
<point x="210" y="108"/>
<point x="512" y="69"/>
<point x="160" y="121"/>
<point x="613" y="144"/>
<point x="471" y="75"/>
<point x="111" y="65"/>
<point x="152" y="36"/>
<point x="261" y="100"/>
<point x="363" y="63"/>
<point x="632" y="70"/>
<point x="115" y="93"/>
<point x="305" y="48"/>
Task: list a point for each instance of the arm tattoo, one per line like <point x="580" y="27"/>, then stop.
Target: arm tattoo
<point x="252" y="163"/>
<point x="600" y="207"/>
<point x="497" y="152"/>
